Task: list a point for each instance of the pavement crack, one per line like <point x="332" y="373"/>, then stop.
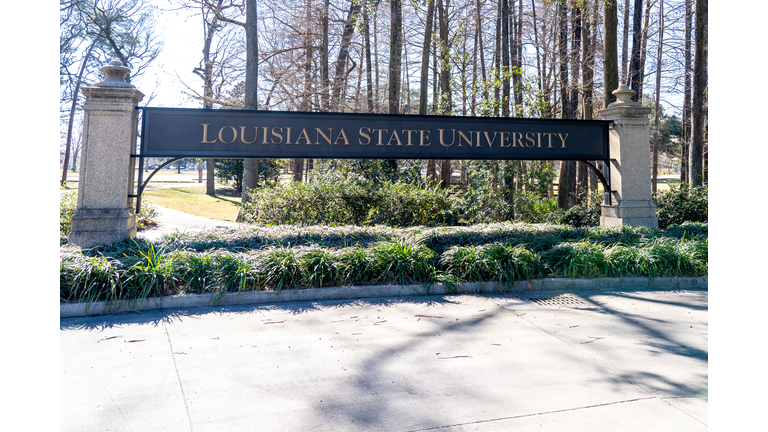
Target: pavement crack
<point x="532" y="414"/>
<point x="178" y="377"/>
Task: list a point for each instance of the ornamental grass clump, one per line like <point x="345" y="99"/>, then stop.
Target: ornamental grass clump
<point x="279" y="267"/>
<point x="322" y="267"/>
<point x="403" y="262"/>
<point x="195" y="271"/>
<point x="90" y="278"/>
<point x="234" y="272"/>
<point x="672" y="257"/>
<point x="502" y="263"/>
<point x="148" y="272"/>
<point x="357" y="265"/>
<point x="576" y="259"/>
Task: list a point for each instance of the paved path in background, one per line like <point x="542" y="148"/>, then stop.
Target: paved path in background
<point x="595" y="361"/>
<point x="170" y="221"/>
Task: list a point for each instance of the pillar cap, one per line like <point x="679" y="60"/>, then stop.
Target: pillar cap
<point x="114" y="76"/>
<point x="623" y="97"/>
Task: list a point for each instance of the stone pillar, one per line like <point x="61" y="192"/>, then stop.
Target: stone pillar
<point x="630" y="169"/>
<point x="104" y="211"/>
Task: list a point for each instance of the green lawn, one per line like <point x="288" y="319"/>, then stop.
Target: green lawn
<point x="193" y="200"/>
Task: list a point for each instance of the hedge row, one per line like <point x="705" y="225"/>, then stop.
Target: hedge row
<point x="289" y="257"/>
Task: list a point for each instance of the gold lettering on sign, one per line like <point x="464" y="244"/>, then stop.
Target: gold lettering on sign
<point x="464" y="137"/>
<point x="303" y="135"/>
<point x="365" y="135"/>
<point x="490" y="141"/>
<point x="395" y="137"/>
<point x="528" y="137"/>
<point x="380" y="132"/>
<point x="550" y="138"/>
<point x="277" y="135"/>
<point x="409" y="132"/>
<point x="505" y="137"/>
<point x="517" y="139"/>
<point x="424" y="138"/>
<point x="265" y="134"/>
<point x="288" y="138"/>
<point x="221" y="133"/>
<point x="562" y="138"/>
<point x="205" y="134"/>
<point x="320" y="133"/>
<point x="342" y="134"/>
<point x="453" y="138"/>
<point x="242" y="135"/>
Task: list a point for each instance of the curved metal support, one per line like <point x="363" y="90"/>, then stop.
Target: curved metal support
<point x="142" y="185"/>
<point x="606" y="183"/>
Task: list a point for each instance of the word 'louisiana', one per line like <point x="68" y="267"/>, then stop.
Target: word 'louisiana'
<point x="381" y="137"/>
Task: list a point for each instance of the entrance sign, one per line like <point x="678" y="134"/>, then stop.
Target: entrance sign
<point x="205" y="133"/>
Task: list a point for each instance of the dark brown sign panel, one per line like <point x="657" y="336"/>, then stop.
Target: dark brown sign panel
<point x="177" y="132"/>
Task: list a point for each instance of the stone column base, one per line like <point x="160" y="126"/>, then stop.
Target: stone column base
<point x="640" y="213"/>
<point x="92" y="227"/>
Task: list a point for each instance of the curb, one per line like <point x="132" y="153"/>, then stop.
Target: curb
<point x="83" y="309"/>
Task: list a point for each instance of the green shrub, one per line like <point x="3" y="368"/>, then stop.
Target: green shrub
<point x="300" y="203"/>
<point x="586" y="214"/>
<point x="67" y="206"/>
<point x="403" y="205"/>
<point x="530" y="207"/>
<point x="347" y="201"/>
<point x="681" y="204"/>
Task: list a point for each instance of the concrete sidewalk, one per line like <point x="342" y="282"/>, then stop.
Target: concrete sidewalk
<point x="580" y="361"/>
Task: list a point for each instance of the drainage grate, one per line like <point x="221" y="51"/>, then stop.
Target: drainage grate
<point x="566" y="300"/>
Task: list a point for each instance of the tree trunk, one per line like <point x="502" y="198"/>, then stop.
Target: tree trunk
<point x="251" y="165"/>
<point x="297" y="165"/>
<point x="695" y="159"/>
<point x="367" y="42"/>
<point x="210" y="177"/>
<point x="566" y="168"/>
<point x="424" y="83"/>
<point x="658" y="96"/>
<point x="686" y="138"/>
<point x="634" y="67"/>
<point x="643" y="44"/>
<point x="395" y="64"/>
<point x="395" y="55"/>
<point x="445" y="173"/>
<point x="376" y="62"/>
<point x="610" y="54"/>
<point x="340" y="77"/>
<point x="517" y="71"/>
<point x="445" y="71"/>
<point x="324" y="96"/>
<point x="505" y="78"/>
<point x="538" y="52"/>
<point x="480" y="42"/>
<point x="575" y="61"/>
<point x="445" y="84"/>
<point x="587" y="78"/>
